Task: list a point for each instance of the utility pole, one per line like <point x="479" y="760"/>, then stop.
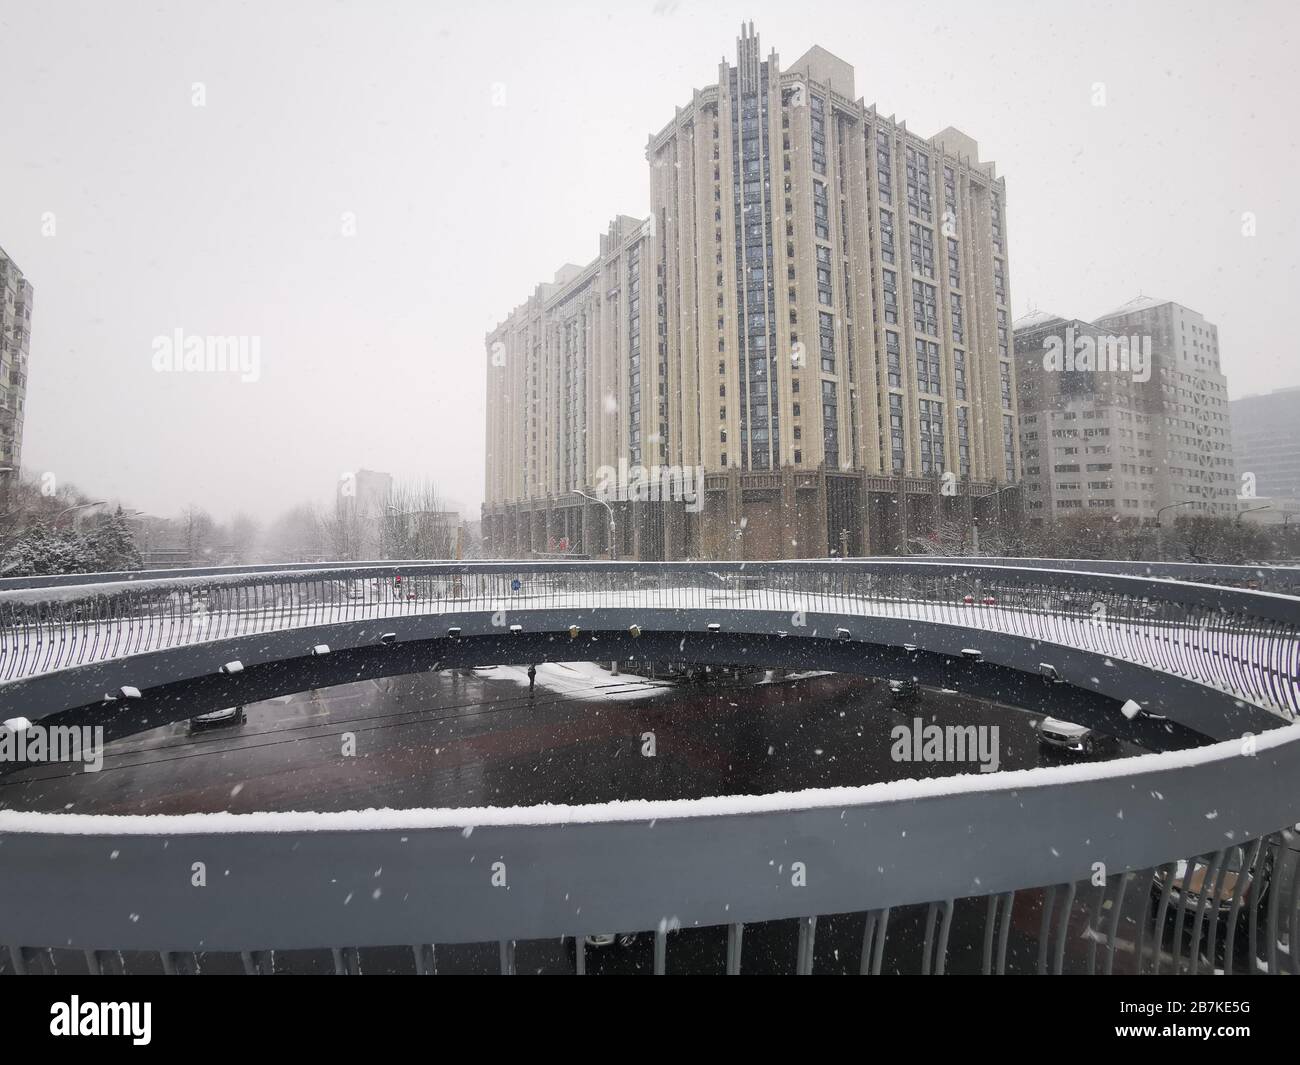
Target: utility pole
<point x="613" y="528"/>
<point x="1160" y="531"/>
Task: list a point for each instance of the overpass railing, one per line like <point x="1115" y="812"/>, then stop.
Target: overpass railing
<point x="1240" y="641"/>
<point x="1182" y="862"/>
<point x="1179" y="861"/>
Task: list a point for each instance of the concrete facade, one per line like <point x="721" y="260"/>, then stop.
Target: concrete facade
<point x="1139" y="423"/>
<point x="1266" y="432"/>
<point x="15" y="337"/>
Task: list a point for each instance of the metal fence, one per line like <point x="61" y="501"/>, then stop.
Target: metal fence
<point x="1240" y="641"/>
<point x="1183" y="861"/>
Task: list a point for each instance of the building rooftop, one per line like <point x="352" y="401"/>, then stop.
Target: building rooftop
<point x="1137" y="303"/>
<point x="1034" y="319"/>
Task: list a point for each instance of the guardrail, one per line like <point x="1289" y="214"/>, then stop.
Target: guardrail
<point x="1183" y="860"/>
<point x="1103" y="892"/>
<point x="1233" y="640"/>
<point x="1269" y="578"/>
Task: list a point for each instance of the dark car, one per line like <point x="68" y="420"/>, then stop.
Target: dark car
<point x="229" y="717"/>
<point x="1255" y="884"/>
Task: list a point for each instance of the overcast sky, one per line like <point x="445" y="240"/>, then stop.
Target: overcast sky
<point x="229" y="218"/>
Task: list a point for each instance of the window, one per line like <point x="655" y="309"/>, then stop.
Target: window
<point x="830" y="423"/>
<point x="918" y="184"/>
<point x="896" y="432"/>
<point x="826" y="333"/>
<point x="925" y="309"/>
<point x="890" y="282"/>
<point x="821" y="211"/>
<point x="931" y="436"/>
<point x="884" y="165"/>
<point x="921" y="245"/>
<point x="927" y="366"/>
<point x="887" y="236"/>
<point x="817" y="120"/>
<point x="963" y="441"/>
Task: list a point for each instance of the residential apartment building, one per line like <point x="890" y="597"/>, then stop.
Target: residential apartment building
<point x="1266" y="432"/>
<point x="1126" y="414"/>
<point x="15" y="338"/>
<point x="571" y="373"/>
<point x="821" y="324"/>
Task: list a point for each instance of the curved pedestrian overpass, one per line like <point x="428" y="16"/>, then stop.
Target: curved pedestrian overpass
<point x="1204" y="673"/>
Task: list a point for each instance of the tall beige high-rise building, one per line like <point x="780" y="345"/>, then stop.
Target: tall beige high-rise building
<point x="1136" y="420"/>
<point x="15" y="337"/>
<point x="816" y="313"/>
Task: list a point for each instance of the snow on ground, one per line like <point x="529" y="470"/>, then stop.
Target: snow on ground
<point x="582" y="680"/>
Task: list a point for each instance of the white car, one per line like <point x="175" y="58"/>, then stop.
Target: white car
<point x="1068" y="736"/>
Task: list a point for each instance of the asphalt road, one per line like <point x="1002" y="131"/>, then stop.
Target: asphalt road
<point x="453" y="739"/>
<point x="582" y="736"/>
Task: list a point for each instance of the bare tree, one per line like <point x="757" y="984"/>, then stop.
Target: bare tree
<point x="1206" y="538"/>
<point x="244" y="535"/>
<point x="343" y="530"/>
<point x="949" y="538"/>
<point x="295" y="536"/>
<point x="199" y="533"/>
<point x="416" y="523"/>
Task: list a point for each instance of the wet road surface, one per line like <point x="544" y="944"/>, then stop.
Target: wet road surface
<point x="583" y="735"/>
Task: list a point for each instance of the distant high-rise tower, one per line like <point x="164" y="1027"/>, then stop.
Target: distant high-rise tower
<point x="831" y="338"/>
<point x="15" y="336"/>
<point x="1125" y="439"/>
<point x="1266" y="431"/>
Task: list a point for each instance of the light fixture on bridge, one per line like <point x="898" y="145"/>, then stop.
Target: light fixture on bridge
<point x="910" y="648"/>
<point x="233" y="667"/>
<point x="573" y="632"/>
<point x="515" y="630"/>
<point x="635" y="630"/>
<point x="843" y="634"/>
<point x="321" y="649"/>
<point x="388" y="637"/>
<point x="1050" y="672"/>
<point x="124" y="692"/>
<point x="1130" y="709"/>
<point x="714" y="627"/>
<point x="973" y="653"/>
<point x="454" y="631"/>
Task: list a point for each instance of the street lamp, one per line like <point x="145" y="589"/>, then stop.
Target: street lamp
<point x="613" y="529"/>
<point x="1160" y="532"/>
<point x="79" y="506"/>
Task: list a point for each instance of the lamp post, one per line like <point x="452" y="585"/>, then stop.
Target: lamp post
<point x="79" y="506"/>
<point x="613" y="528"/>
<point x="4" y="497"/>
<point x="1160" y="532"/>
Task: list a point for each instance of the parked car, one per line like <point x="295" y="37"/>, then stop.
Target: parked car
<point x="1255" y="886"/>
<point x="606" y="944"/>
<point x="231" y="715"/>
<point x="1067" y="736"/>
